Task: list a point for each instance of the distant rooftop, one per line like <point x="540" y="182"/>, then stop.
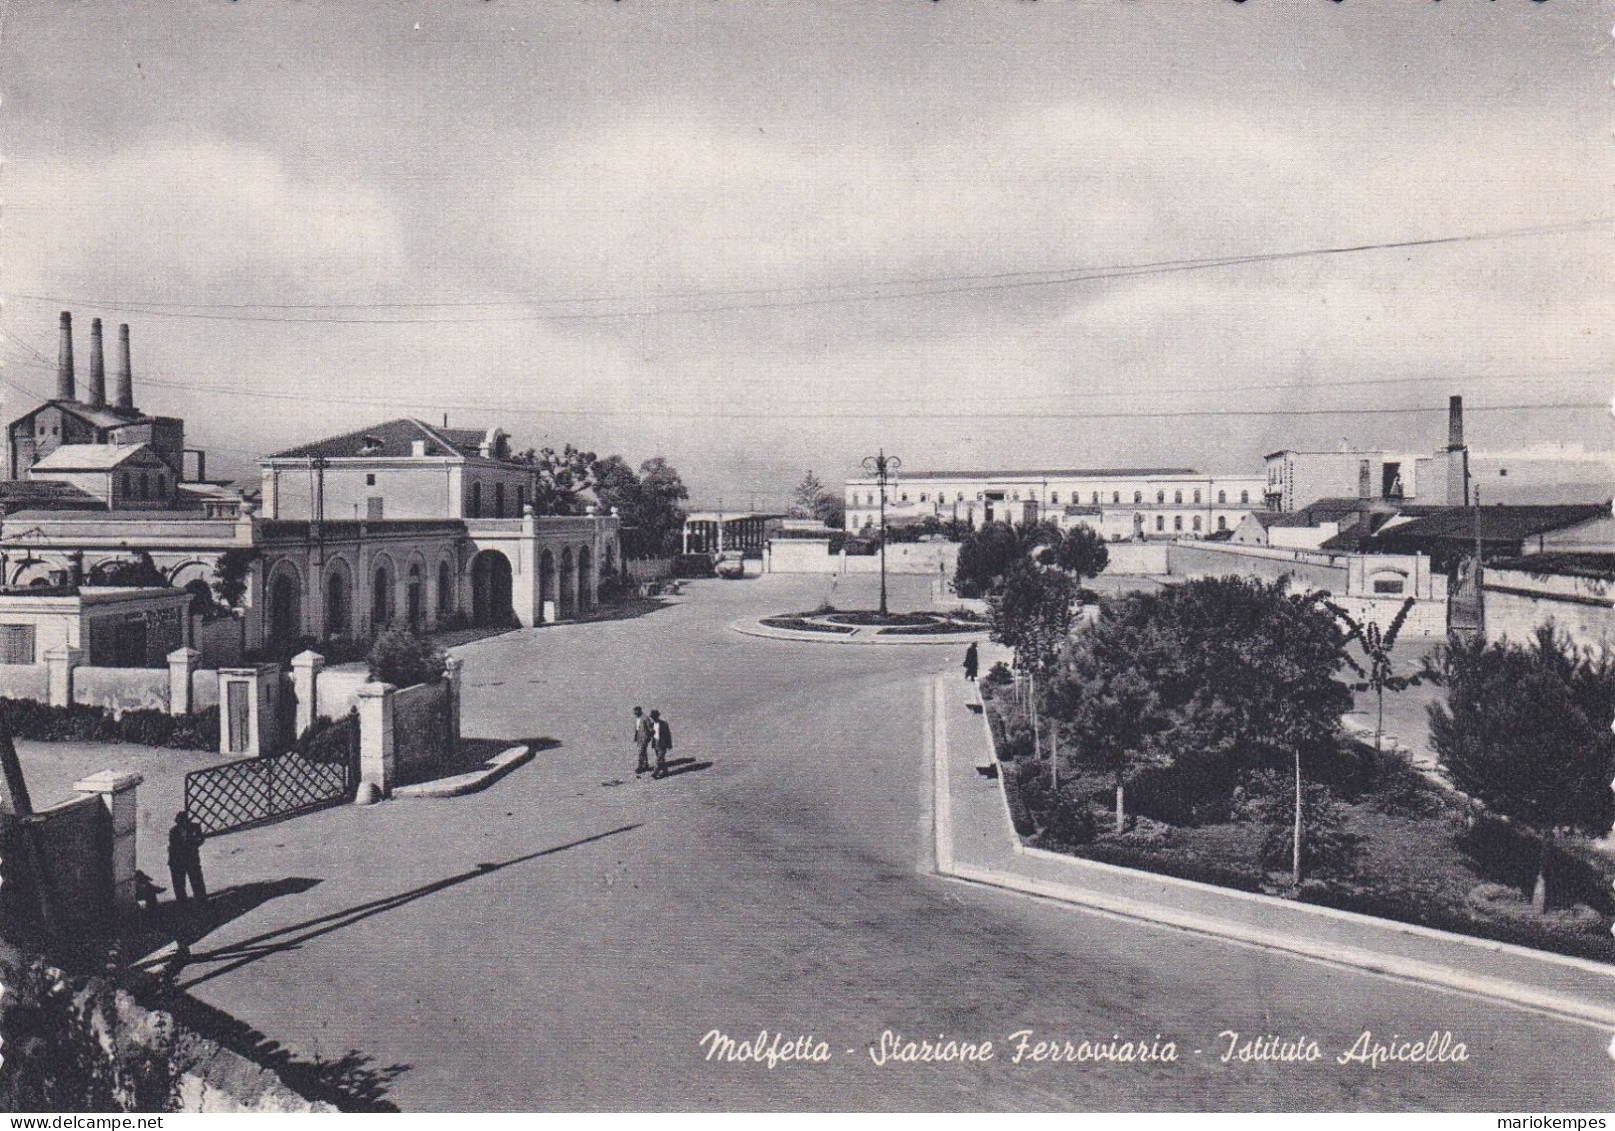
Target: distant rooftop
<point x="393" y="439"/>
<point x="1055" y="473"/>
<point x="1600" y="566"/>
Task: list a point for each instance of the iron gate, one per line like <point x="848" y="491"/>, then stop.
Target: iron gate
<point x="322" y="769"/>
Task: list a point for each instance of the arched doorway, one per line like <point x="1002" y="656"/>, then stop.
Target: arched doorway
<point x="585" y="579"/>
<point x="445" y="589"/>
<point x="381" y="598"/>
<point x="546" y="584"/>
<point x="569" y="590"/>
<point x="415" y="595"/>
<point x="490" y="588"/>
<point x="338" y="605"/>
<point x="285" y="607"/>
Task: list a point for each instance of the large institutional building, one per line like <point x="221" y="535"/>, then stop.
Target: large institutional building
<point x="1119" y="503"/>
<point x="400" y="521"/>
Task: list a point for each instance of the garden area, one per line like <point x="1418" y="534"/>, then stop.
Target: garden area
<point x="832" y="621"/>
<point x="1177" y="733"/>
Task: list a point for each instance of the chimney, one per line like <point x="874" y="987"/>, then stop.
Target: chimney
<point x="1455" y="424"/>
<point x="97" y="395"/>
<point x="125" y="394"/>
<point x="64" y="360"/>
<point x="1365" y="479"/>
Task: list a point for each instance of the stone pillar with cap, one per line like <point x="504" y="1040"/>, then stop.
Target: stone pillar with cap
<point x="376" y="753"/>
<point x="116" y="788"/>
<point x="182" y="665"/>
<point x="306" y="668"/>
<point x="59" y="664"/>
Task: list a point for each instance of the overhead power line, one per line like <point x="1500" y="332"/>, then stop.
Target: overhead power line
<point x="830" y="294"/>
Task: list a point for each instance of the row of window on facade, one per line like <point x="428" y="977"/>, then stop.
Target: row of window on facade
<point x="1076" y="497"/>
<point x="473" y="506"/>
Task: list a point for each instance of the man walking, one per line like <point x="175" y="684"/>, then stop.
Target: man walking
<point x="972" y="661"/>
<point x="662" y="740"/>
<point x="642" y="739"/>
<point x="185" y="857"/>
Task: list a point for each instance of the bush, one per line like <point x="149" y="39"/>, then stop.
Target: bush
<point x="1397" y="789"/>
<point x="329" y="740"/>
<point x="403" y="658"/>
<point x="999" y="675"/>
<point x="1325" y="844"/>
<point x="81" y="722"/>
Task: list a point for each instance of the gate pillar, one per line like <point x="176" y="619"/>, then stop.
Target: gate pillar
<point x="376" y="759"/>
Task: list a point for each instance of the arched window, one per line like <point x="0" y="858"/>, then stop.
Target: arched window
<point x="1177" y="522"/>
<point x="499" y="500"/>
<point x="445" y="589"/>
<point x="1222" y="522"/>
<point x="1054" y="498"/>
<point x="1160" y="522"/>
<point x="1244" y="497"/>
<point x="1160" y="497"/>
<point x="1138" y="496"/>
<point x="1197" y="496"/>
<point x="144" y="488"/>
<point x="1197" y="524"/>
<point x="1222" y="497"/>
<point x="1177" y="497"/>
<point x="1116" y="497"/>
<point x="381" y="594"/>
<point x="476" y="501"/>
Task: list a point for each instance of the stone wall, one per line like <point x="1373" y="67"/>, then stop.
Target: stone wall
<point x="1214" y="559"/>
<point x="1518" y="603"/>
<point x="932" y="558"/>
<point x="1137" y="559"/>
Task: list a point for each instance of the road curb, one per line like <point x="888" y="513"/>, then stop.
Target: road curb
<point x="494" y="769"/>
<point x="1340" y="954"/>
<point x="768" y="632"/>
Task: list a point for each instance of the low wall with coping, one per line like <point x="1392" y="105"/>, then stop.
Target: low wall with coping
<point x="122" y="689"/>
<point x="1137" y="559"/>
<point x="25" y="681"/>
<point x="648" y="569"/>
<point x="1519" y="602"/>
<point x="339" y="690"/>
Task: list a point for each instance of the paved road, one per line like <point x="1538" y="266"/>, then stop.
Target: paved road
<point x="565" y="939"/>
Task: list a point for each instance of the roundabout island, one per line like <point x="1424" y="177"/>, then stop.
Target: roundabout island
<point x="867" y="626"/>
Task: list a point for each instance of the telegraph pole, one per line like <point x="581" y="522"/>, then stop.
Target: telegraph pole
<point x="882" y="466"/>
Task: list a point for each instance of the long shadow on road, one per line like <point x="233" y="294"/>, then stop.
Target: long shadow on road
<point x="238" y="954"/>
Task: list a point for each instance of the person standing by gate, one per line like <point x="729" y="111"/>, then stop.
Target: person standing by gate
<point x="662" y="740"/>
<point x="642" y="739"/>
<point x="185" y="857"/>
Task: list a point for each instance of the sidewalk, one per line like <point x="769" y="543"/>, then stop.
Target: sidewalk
<point x="976" y="843"/>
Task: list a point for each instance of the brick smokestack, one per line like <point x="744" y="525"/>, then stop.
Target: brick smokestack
<point x="97" y="394"/>
<point x="1455" y="424"/>
<point x="125" y="392"/>
<point x="64" y="360"/>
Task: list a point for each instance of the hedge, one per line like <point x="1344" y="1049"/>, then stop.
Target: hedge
<point x="81" y="722"/>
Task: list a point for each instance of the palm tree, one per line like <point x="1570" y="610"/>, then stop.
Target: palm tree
<point x="1379" y="676"/>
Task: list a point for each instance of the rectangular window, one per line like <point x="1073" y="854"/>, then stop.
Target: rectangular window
<point x="16" y="643"/>
<point x="1388" y="585"/>
<point x="370" y="479"/>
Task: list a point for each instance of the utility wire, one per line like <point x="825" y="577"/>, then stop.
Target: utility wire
<point x="896" y="290"/>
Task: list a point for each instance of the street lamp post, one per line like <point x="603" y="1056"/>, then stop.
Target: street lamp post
<point x="881" y="466"/>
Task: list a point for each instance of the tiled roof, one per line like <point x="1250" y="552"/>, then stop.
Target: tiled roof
<point x="19" y="493"/>
<point x="1320" y="512"/>
<point x="393" y="439"/>
<point x="89" y="457"/>
<point x="1496" y="523"/>
<point x="1601" y="566"/>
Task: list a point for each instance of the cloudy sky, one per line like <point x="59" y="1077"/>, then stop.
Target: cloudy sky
<point x="699" y="229"/>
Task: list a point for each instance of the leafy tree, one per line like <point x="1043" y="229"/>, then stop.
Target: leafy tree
<point x="1526" y="729"/>
<point x="988" y="552"/>
<point x="1031" y="611"/>
<point x="1223" y="674"/>
<point x="1379" y="676"/>
<point x="830" y="509"/>
<point x="647" y="501"/>
<point x="805" y="499"/>
<point x="1081" y="552"/>
<point x="560" y="478"/>
<point x="1102" y="702"/>
<point x="230" y="575"/>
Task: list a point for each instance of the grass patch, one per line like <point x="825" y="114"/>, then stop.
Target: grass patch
<point x="800" y="624"/>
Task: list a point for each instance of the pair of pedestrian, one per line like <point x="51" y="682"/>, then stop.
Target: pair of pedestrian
<point x="185" y="858"/>
<point x="652" y="733"/>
